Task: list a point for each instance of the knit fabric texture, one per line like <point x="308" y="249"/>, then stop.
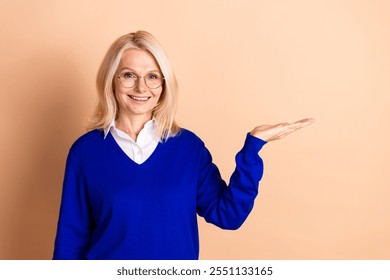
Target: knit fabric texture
<point x="114" y="208"/>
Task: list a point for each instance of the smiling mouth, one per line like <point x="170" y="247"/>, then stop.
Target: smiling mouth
<point x="139" y="98"/>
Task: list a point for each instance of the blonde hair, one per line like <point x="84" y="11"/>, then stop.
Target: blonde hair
<point x="107" y="108"/>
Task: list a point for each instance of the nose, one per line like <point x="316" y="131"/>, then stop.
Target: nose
<point x="141" y="85"/>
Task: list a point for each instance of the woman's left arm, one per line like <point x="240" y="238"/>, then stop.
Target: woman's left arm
<point x="228" y="206"/>
<point x="279" y="131"/>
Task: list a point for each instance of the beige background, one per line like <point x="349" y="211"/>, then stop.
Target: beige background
<point x="325" y="193"/>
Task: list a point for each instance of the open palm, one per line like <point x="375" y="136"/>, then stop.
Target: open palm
<point x="279" y="131"/>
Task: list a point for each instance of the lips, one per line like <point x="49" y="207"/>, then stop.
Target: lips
<point x="139" y="98"/>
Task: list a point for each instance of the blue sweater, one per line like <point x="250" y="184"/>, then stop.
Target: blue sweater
<point x="114" y="208"/>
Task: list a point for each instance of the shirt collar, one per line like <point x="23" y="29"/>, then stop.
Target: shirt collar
<point x="108" y="128"/>
<point x="150" y="127"/>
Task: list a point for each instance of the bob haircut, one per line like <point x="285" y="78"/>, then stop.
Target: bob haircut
<point x="107" y="108"/>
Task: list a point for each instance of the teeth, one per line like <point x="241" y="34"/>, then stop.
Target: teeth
<point x="139" y="98"/>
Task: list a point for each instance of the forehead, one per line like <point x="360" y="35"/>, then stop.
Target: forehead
<point x="138" y="60"/>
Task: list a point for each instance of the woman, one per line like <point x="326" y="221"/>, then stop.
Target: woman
<point x="136" y="181"/>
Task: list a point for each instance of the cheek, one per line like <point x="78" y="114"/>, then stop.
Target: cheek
<point x="117" y="94"/>
<point x="160" y="95"/>
<point x="121" y="93"/>
<point x="116" y="90"/>
<point x="157" y="95"/>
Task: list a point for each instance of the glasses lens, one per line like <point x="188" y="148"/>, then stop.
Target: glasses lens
<point x="129" y="83"/>
<point x="153" y="80"/>
<point x="128" y="80"/>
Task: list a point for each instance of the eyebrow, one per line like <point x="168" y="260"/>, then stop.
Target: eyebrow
<point x="127" y="68"/>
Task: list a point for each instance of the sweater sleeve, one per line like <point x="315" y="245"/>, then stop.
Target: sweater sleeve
<point x="74" y="223"/>
<point x="227" y="206"/>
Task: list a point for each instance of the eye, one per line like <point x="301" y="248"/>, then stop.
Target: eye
<point x="128" y="75"/>
<point x="153" y="77"/>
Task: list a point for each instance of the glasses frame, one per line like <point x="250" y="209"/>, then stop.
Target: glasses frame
<point x="137" y="81"/>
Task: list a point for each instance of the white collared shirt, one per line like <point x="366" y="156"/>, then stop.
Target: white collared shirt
<point x="139" y="151"/>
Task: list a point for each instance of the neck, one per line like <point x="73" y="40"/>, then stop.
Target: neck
<point x="132" y="125"/>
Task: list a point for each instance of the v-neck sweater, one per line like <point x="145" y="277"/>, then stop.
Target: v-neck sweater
<point x="114" y="208"/>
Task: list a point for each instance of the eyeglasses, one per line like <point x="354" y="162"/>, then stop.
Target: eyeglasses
<point x="152" y="80"/>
